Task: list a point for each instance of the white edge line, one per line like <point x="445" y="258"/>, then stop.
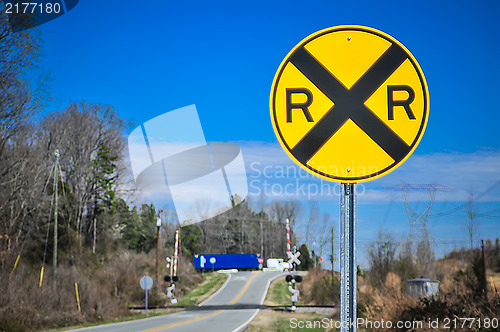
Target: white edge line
<point x="105" y="326"/>
<point x="242" y="326"/>
<point x="150" y="318"/>
<point x="219" y="290"/>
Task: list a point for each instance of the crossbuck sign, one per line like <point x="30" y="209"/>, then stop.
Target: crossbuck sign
<point x="349" y="104"/>
<point x="294" y="258"/>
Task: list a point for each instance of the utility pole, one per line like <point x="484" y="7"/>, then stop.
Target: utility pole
<point x="56" y="208"/>
<point x="485" y="281"/>
<point x="158" y="226"/>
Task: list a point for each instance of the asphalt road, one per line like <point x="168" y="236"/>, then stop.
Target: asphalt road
<point x="215" y="314"/>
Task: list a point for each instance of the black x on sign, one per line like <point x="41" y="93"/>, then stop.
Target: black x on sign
<point x="349" y="103"/>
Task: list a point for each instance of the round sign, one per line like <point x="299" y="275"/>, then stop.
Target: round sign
<point x="212" y="260"/>
<point x="146" y="283"/>
<point x="260" y="260"/>
<point x="349" y="103"/>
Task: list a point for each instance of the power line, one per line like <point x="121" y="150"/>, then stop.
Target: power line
<point x="419" y="220"/>
<point x="465" y="204"/>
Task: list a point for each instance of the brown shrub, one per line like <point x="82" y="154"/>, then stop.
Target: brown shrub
<point x="107" y="286"/>
<point x="318" y="288"/>
<point x="457" y="299"/>
<point x="393" y="282"/>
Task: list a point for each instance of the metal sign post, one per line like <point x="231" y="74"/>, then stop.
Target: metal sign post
<point x="146" y="302"/>
<point x="146" y="283"/>
<point x="348" y="269"/>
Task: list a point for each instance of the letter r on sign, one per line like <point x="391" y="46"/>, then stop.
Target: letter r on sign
<point x="303" y="106"/>
<point x="405" y="103"/>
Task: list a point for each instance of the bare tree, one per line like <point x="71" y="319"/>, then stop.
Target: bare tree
<point x="312" y="223"/>
<point x="280" y="211"/>
<point x="424" y="258"/>
<point x="472" y="223"/>
<point x="324" y="235"/>
<point x="21" y="167"/>
<point x="261" y="216"/>
<point x="19" y="52"/>
<point x="79" y="132"/>
<point x="381" y="255"/>
<point x="286" y="210"/>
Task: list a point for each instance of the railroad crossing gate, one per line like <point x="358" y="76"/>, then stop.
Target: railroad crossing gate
<point x="349" y="103"/>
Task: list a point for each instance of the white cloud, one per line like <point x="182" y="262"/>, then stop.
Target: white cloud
<point x="270" y="171"/>
<point x="200" y="181"/>
<point x="475" y="172"/>
<point x="268" y="166"/>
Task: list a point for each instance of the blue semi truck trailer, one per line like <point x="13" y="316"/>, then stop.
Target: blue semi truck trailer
<point x="222" y="262"/>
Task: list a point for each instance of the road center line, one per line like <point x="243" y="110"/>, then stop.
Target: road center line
<point x="184" y="322"/>
<point x="244" y="289"/>
<point x="205" y="316"/>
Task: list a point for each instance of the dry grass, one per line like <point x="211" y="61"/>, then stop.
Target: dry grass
<point x="384" y="301"/>
<point x="389" y="302"/>
<point x="318" y="288"/>
<point x="107" y="286"/>
<point x="268" y="320"/>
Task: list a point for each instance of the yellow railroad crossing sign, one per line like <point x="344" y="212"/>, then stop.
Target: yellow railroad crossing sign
<point x="349" y="103"/>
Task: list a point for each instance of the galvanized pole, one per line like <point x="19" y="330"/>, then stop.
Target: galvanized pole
<point x="348" y="280"/>
<point x="146" y="290"/>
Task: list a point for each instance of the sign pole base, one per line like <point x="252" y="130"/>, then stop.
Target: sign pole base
<point x="147" y="315"/>
<point x="348" y="268"/>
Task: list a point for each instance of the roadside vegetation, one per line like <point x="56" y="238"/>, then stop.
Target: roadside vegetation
<point x="463" y="291"/>
<point x="278" y="293"/>
<point x="382" y="293"/>
<point x="212" y="283"/>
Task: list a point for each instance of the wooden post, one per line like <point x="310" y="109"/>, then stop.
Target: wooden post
<point x="56" y="208"/>
<point x="485" y="282"/>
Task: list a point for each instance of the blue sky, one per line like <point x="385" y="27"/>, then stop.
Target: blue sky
<point x="147" y="58"/>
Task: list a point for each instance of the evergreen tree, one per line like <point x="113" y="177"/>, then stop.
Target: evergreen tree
<point x="138" y="231"/>
<point x="192" y="241"/>
<point x="306" y="261"/>
<point x="104" y="166"/>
